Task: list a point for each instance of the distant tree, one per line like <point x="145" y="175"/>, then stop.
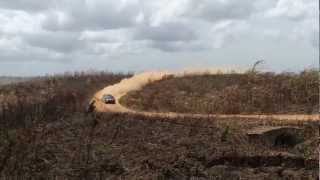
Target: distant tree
<point x="255" y="65"/>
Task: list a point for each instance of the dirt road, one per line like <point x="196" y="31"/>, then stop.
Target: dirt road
<point x="138" y="81"/>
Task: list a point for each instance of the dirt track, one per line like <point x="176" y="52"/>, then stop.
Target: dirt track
<point x="138" y="81"/>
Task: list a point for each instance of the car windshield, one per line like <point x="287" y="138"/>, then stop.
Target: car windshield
<point x="108" y="97"/>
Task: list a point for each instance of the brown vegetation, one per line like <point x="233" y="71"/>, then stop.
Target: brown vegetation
<point x="45" y="133"/>
<point x="249" y="93"/>
<point x="49" y="98"/>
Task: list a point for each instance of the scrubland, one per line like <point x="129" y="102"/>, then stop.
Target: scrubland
<point x="46" y="133"/>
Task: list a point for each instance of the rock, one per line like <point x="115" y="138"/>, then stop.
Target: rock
<point x="277" y="136"/>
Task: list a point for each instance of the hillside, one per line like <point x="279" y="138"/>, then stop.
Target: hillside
<point x="46" y="133"/>
<point x="250" y="93"/>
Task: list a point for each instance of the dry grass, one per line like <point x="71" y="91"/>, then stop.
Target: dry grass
<point x="49" y="98"/>
<point x="49" y="136"/>
<point x="250" y="93"/>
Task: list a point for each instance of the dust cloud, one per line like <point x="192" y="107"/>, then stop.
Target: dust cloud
<point x="138" y="81"/>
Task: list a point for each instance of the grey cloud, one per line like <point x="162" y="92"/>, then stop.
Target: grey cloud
<point x="107" y="36"/>
<point x="62" y="30"/>
<point x="62" y="42"/>
<point x="168" y="37"/>
<point x="216" y="10"/>
<point x="165" y="32"/>
<point x="297" y="10"/>
<point x="97" y="15"/>
<point x="30" y="54"/>
<point x="179" y="46"/>
<point x="26" y="5"/>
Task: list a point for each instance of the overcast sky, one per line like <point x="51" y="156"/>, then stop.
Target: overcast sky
<point x="53" y="36"/>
